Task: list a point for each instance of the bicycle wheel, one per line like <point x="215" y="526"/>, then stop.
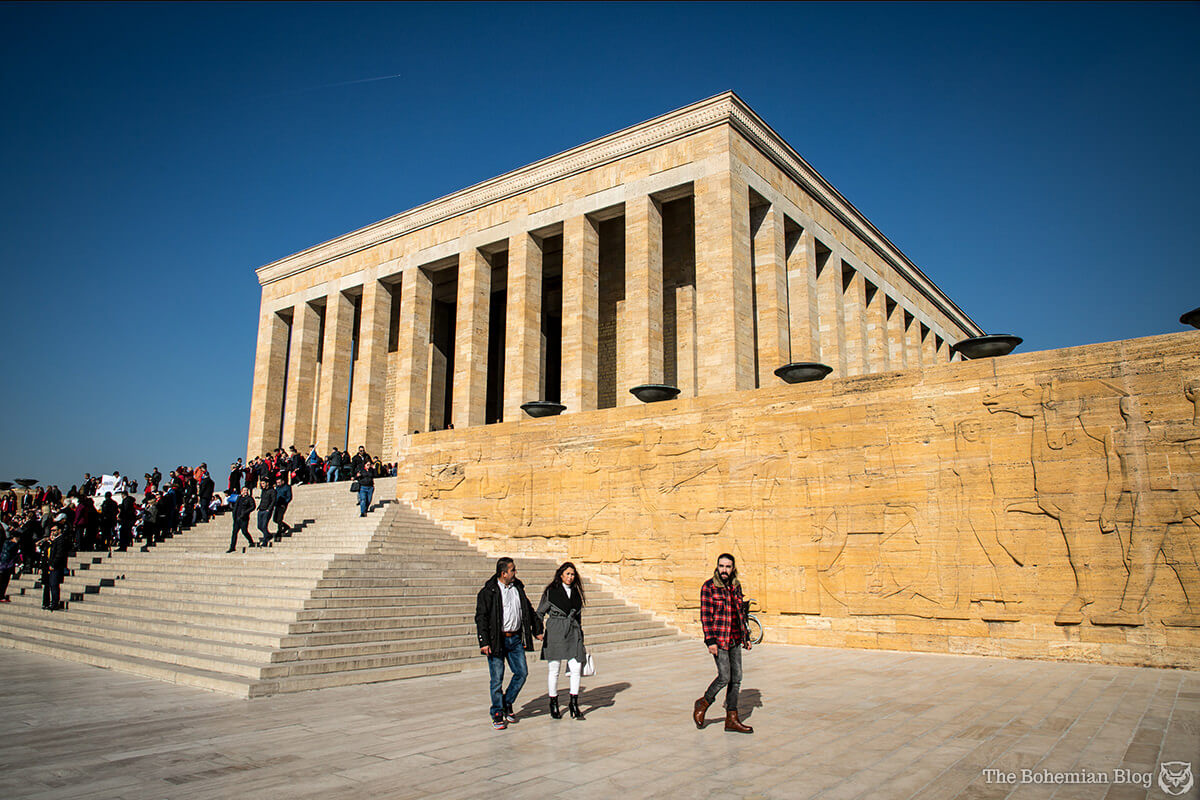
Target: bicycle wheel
<point x="755" y="628"/>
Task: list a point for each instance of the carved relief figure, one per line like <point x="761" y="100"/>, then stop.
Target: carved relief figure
<point x="1066" y="442"/>
<point x="974" y="501"/>
<point x="1165" y="500"/>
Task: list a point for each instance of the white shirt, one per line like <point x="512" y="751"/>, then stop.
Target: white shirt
<point x="568" y="590"/>
<point x="512" y="606"/>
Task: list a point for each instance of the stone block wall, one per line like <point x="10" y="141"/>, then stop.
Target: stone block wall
<point x="1042" y="505"/>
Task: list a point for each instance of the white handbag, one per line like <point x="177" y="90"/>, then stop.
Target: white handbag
<point x="589" y="667"/>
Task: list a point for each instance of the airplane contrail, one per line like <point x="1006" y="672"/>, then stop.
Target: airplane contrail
<point x="334" y="85"/>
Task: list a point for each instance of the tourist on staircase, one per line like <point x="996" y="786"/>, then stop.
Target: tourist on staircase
<point x="365" y="476"/>
<point x="10" y="555"/>
<point x="266" y="508"/>
<point x="205" y="490"/>
<point x="57" y="553"/>
<point x="241" y="518"/>
<point x="283" y="497"/>
<point x="563" y="601"/>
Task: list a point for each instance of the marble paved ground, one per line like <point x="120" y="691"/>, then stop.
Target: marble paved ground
<point x="830" y="724"/>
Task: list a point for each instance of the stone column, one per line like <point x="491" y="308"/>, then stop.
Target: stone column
<point x="523" y="331"/>
<point x="853" y="320"/>
<point x="639" y="339"/>
<point x="912" y="341"/>
<point x="266" y="402"/>
<point x="685" y="340"/>
<point x="581" y="309"/>
<point x="471" y="326"/>
<point x="337" y="354"/>
<point x="802" y="299"/>
<point x="877" y="344"/>
<point x="831" y="326"/>
<point x="412" y="389"/>
<point x="771" y="289"/>
<point x="301" y="381"/>
<point x="929" y="348"/>
<point x="370" y="372"/>
<point x="724" y="328"/>
<point x="895" y="336"/>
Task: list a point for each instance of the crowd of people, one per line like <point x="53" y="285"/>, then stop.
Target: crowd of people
<point x="42" y="528"/>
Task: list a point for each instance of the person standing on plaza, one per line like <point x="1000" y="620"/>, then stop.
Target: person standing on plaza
<point x="364" y="473"/>
<point x="563" y="600"/>
<point x="241" y="518"/>
<point x="723" y="619"/>
<point x="506" y="625"/>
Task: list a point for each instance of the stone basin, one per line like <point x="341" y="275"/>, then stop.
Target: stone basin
<point x="803" y="371"/>
<point x="543" y="408"/>
<point x="989" y="346"/>
<point x="654" y="392"/>
<point x="1191" y="318"/>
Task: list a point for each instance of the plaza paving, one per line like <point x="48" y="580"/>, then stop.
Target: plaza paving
<point x="829" y="724"/>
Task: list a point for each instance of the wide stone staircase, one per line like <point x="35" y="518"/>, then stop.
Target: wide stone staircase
<point x="344" y="600"/>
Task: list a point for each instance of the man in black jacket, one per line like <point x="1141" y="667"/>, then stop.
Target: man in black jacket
<point x="266" y="507"/>
<point x="241" y="518"/>
<point x="57" y="553"/>
<point x="507" y="626"/>
<point x="206" y="488"/>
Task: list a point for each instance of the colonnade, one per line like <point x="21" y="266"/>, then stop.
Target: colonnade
<point x="753" y="285"/>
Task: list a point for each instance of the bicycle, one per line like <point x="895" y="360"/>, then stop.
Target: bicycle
<point x="753" y="626"/>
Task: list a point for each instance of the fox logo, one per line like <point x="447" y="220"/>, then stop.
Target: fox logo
<point x="1175" y="777"/>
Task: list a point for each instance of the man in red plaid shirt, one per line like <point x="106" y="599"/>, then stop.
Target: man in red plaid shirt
<point x="723" y="618"/>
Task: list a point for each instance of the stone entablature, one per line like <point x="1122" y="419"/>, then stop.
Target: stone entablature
<point x="696" y="248"/>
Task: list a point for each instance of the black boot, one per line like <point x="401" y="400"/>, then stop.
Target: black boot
<point x="555" y="711"/>
<point x="573" y="707"/>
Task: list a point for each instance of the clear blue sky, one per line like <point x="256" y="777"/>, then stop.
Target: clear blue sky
<point x="1039" y="162"/>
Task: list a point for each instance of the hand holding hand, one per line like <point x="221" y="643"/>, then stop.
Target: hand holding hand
<point x="712" y="648"/>
<point x="486" y="649"/>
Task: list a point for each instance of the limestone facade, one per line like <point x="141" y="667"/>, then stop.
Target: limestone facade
<point x="696" y="249"/>
<point x="1040" y="505"/>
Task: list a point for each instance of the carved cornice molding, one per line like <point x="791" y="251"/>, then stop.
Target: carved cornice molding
<point x="725" y="108"/>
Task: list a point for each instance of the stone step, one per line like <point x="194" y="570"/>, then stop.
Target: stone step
<point x="77" y="651"/>
<point x="420" y="629"/>
<point x="247" y="646"/>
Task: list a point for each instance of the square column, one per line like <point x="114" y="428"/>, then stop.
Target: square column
<point x="804" y="336"/>
<point x="523" y="332"/>
<point x="337" y="355"/>
<point x="472" y="321"/>
<point x="412" y="385"/>
<point x="853" y="320"/>
<point x="831" y="329"/>
<point x="878" y="355"/>
<point x="724" y="327"/>
<point x="370" y="371"/>
<point x="581" y="310"/>
<point x="639" y="338"/>
<point x="771" y="290"/>
<point x="266" y="401"/>
<point x="912" y="341"/>
<point x="301" y="381"/>
<point x="897" y="355"/>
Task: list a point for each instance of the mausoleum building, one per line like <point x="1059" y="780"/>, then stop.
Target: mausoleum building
<point x="697" y="250"/>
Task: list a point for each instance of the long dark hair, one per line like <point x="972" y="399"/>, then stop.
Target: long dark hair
<point x="577" y="586"/>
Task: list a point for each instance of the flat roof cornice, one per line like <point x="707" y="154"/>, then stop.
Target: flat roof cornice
<point x="724" y="108"/>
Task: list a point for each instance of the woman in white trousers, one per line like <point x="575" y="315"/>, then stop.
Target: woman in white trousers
<point x="563" y="602"/>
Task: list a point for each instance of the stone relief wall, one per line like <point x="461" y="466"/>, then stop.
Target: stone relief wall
<point x="1042" y="505"/>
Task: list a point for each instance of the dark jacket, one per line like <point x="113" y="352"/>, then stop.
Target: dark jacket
<point x="489" y="617"/>
<point x="266" y="503"/>
<point x="242" y="508"/>
<point x="59" y="552"/>
<point x="364" y="476"/>
<point x="206" y="489"/>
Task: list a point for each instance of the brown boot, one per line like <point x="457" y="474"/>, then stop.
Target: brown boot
<point x="732" y="723"/>
<point x="698" y="712"/>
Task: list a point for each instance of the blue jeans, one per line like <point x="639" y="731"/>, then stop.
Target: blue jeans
<point x="514" y="652"/>
<point x="364" y="498"/>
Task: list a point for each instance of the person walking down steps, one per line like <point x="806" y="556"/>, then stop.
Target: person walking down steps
<point x="364" y="474"/>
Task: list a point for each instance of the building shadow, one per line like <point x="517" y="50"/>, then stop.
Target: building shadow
<point x="590" y="699"/>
